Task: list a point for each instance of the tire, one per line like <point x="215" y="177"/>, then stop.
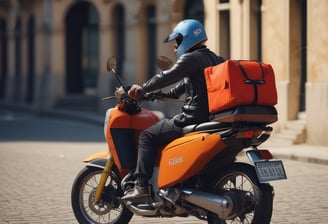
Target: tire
<point x="108" y="210"/>
<point x="254" y="202"/>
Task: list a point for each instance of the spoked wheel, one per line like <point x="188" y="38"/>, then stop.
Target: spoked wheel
<point x="252" y="200"/>
<point x="108" y="209"/>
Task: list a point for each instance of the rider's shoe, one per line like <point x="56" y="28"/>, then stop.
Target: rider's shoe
<point x="137" y="194"/>
<point x="140" y="192"/>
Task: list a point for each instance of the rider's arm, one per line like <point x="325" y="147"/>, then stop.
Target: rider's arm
<point x="182" y="68"/>
<point x="176" y="92"/>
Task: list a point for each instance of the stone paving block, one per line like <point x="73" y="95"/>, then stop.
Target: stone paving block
<point x="36" y="180"/>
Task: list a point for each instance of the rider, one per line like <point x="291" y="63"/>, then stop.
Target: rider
<point x="193" y="56"/>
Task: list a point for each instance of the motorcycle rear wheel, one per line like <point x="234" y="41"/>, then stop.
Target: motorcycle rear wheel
<point x="109" y="210"/>
<point x="254" y="201"/>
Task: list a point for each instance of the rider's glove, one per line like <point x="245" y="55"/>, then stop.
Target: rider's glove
<point x="136" y="92"/>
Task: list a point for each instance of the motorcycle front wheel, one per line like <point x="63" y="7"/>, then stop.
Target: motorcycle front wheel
<point x="253" y="201"/>
<point x="108" y="210"/>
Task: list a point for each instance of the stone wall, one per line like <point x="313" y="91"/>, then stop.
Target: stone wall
<point x="317" y="70"/>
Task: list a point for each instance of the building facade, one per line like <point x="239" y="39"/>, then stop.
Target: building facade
<point x="51" y="50"/>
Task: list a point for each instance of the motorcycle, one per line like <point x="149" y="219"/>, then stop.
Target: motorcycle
<point x="194" y="175"/>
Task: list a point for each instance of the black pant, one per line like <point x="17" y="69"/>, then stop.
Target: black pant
<point x="150" y="141"/>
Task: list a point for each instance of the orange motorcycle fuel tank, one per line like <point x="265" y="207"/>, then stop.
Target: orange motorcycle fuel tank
<point x="122" y="133"/>
<point x="186" y="156"/>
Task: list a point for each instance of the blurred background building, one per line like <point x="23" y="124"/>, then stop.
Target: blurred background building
<point x="53" y="53"/>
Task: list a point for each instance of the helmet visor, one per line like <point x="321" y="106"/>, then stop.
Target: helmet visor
<point x="174" y="36"/>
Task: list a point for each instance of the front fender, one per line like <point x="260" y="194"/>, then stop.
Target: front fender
<point x="97" y="160"/>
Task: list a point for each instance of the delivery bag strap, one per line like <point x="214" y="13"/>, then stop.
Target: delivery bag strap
<point x="253" y="82"/>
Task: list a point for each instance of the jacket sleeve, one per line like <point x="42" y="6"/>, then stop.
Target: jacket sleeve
<point x="182" y="68"/>
<point x="176" y="92"/>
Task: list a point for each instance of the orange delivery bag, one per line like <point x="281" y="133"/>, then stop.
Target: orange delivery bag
<point x="233" y="83"/>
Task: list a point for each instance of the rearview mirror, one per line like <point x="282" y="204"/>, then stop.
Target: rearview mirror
<point x="163" y="62"/>
<point x="111" y="63"/>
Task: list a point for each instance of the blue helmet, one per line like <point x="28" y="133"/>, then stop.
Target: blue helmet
<point x="188" y="33"/>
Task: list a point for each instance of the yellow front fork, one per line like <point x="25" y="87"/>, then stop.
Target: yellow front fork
<point x="103" y="178"/>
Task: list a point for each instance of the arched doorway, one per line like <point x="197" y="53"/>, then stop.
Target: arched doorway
<point x="18" y="60"/>
<point x="303" y="54"/>
<point x="82" y="49"/>
<point x="3" y="57"/>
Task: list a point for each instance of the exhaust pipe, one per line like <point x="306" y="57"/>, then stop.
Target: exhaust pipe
<point x="221" y="205"/>
<point x="142" y="209"/>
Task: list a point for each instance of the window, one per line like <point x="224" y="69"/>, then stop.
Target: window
<point x="119" y="32"/>
<point x="224" y="29"/>
<point x="194" y="9"/>
<point x="3" y="57"/>
<point x="151" y="37"/>
<point x="30" y="59"/>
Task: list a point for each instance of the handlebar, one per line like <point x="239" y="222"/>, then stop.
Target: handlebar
<point x="122" y="96"/>
<point x="152" y="96"/>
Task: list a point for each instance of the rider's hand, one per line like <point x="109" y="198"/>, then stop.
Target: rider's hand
<point x="136" y="92"/>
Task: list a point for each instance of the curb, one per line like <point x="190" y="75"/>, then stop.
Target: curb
<point x="76" y="115"/>
<point x="315" y="154"/>
<point x="299" y="158"/>
<point x="87" y="117"/>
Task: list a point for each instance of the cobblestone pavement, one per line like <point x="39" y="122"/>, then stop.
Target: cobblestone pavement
<point x="36" y="179"/>
<point x="36" y="176"/>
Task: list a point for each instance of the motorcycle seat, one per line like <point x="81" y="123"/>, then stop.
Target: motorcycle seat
<point x="211" y="125"/>
<point x="247" y="113"/>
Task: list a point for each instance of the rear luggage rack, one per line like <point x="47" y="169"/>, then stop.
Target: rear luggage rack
<point x="247" y="113"/>
<point x="246" y="135"/>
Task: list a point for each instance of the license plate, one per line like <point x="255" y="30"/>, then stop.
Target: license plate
<point x="269" y="170"/>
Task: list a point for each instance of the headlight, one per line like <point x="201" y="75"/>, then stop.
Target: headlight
<point x="106" y="121"/>
<point x="118" y="93"/>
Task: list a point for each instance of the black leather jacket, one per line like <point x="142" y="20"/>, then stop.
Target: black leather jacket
<point x="188" y="73"/>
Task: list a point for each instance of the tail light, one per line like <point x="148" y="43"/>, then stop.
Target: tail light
<point x="248" y="134"/>
<point x="265" y="154"/>
<point x="259" y="155"/>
